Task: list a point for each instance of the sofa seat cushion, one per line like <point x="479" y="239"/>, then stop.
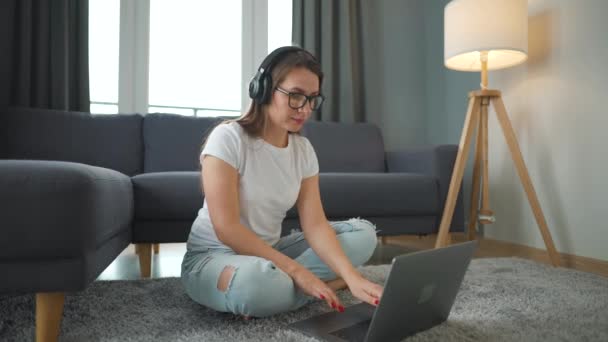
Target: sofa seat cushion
<point x="377" y="194"/>
<point x="54" y="209"/>
<point x="177" y="195"/>
<point x="174" y="195"/>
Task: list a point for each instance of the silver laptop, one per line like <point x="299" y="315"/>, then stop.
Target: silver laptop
<point x="418" y="294"/>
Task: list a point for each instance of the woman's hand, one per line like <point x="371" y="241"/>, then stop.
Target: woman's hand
<point x="313" y="286"/>
<point x="365" y="290"/>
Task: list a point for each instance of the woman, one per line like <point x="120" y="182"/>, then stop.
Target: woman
<point x="254" y="169"/>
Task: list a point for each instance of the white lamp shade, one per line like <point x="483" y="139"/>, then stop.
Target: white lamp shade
<point x="499" y="27"/>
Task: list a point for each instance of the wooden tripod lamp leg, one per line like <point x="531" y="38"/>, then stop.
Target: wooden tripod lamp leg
<point x="486" y="215"/>
<point x="461" y="159"/>
<point x="524" y="176"/>
<point x="471" y="229"/>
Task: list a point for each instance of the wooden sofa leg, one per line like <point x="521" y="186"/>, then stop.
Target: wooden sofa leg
<point x="145" y="259"/>
<point x="49" y="311"/>
<point x="156" y="248"/>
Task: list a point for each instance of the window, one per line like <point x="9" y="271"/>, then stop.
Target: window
<point x="104" y="20"/>
<point x="202" y="53"/>
<point x="279" y="23"/>
<point x="195" y="55"/>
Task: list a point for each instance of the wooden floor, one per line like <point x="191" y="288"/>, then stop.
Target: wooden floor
<point x="489" y="248"/>
<point x="167" y="263"/>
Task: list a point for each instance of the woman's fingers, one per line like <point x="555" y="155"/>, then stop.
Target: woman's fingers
<point x="374" y="290"/>
<point x="336" y="302"/>
<point x="332" y="300"/>
<point x="365" y="290"/>
<point x="327" y="298"/>
<point x="365" y="296"/>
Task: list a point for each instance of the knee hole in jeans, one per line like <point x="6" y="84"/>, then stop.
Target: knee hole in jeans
<point x="224" y="279"/>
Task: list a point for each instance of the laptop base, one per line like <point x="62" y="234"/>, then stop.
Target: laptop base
<point x="323" y="325"/>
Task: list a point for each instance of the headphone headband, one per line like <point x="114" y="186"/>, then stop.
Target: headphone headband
<point x="273" y="57"/>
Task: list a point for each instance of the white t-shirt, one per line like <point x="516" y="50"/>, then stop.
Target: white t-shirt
<point x="269" y="181"/>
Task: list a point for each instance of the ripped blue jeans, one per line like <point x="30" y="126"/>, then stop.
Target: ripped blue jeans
<point x="257" y="287"/>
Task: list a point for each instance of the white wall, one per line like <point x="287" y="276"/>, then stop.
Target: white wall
<point x="403" y="73"/>
<point x="558" y="105"/>
<point x="395" y="70"/>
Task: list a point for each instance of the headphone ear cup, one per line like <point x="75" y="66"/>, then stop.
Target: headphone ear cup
<point x="265" y="89"/>
<point x="254" y="87"/>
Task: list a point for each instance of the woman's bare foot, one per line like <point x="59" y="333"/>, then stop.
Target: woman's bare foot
<point x="336" y="284"/>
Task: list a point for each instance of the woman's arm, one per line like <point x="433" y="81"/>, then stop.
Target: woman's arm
<point x="322" y="238"/>
<point x="318" y="232"/>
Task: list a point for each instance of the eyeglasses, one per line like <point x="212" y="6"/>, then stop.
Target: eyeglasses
<point x="298" y="100"/>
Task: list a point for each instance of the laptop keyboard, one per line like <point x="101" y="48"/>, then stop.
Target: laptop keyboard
<point x="355" y="332"/>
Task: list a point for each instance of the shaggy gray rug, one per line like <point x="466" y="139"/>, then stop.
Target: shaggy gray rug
<point x="503" y="299"/>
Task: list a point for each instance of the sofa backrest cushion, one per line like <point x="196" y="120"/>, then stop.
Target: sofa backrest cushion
<point x="173" y="142"/>
<point x="346" y="147"/>
<point x="110" y="141"/>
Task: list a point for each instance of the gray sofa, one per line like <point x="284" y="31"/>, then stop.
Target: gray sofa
<point x="76" y="189"/>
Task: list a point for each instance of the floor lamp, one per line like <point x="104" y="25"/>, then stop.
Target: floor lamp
<point x="482" y="35"/>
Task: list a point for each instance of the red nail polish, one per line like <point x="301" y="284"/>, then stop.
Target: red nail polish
<point x="341" y="308"/>
<point x="376" y="302"/>
<point x="322" y="296"/>
<point x="333" y="305"/>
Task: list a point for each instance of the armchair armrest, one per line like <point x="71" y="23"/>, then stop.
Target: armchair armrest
<point x="54" y="209"/>
<point x="435" y="160"/>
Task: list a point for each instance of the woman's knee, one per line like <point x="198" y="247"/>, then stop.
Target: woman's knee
<point x="360" y="243"/>
<point x="259" y="289"/>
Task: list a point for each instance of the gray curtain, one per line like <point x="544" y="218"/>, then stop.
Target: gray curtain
<point x="44" y="61"/>
<point x="332" y="31"/>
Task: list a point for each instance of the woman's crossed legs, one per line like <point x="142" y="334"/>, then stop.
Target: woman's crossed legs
<point x="253" y="286"/>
